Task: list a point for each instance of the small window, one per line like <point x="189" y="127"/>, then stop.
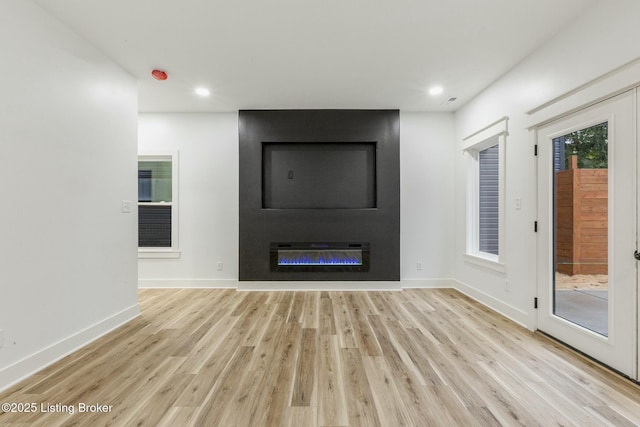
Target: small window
<point x="157" y="205"/>
<point x="485" y="196"/>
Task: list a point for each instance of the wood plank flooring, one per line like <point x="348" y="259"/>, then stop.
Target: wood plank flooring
<point x="206" y="357"/>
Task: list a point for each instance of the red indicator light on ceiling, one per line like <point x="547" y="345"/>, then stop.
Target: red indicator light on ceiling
<point x="159" y="75"/>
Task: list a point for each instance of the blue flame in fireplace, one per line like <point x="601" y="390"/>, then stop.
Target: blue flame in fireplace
<point x="306" y="260"/>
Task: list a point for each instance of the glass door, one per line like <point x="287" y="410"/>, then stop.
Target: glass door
<point x="587" y="231"/>
<point x="581" y="227"/>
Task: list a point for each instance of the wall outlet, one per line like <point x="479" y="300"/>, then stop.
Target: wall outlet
<point x="506" y="286"/>
<point x="220" y="266"/>
<point x="1" y="338"/>
<point x="126" y="206"/>
<point x="419" y="266"/>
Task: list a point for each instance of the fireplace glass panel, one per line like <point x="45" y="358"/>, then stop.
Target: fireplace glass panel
<point x="320" y="257"/>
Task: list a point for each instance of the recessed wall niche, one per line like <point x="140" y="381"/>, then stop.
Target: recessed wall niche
<point x="325" y="183"/>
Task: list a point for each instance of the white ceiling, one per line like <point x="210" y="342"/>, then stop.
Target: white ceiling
<point x="256" y="54"/>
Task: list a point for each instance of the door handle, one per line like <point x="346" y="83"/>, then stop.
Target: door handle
<point x="636" y="255"/>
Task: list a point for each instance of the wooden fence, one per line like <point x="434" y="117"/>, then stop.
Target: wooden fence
<point x="581" y="220"/>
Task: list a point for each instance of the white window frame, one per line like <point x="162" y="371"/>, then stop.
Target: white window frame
<point x="173" y="251"/>
<point x="489" y="136"/>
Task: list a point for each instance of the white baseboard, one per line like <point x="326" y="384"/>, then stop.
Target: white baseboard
<point x="509" y="311"/>
<point x="428" y="283"/>
<point x="320" y="286"/>
<point x="297" y="285"/>
<point x="20" y="370"/>
<point x="188" y="283"/>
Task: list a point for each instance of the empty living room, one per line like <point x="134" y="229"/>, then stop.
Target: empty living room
<point x="320" y="213"/>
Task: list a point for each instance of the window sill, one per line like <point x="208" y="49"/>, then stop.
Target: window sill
<point x="487" y="263"/>
<point x="159" y="254"/>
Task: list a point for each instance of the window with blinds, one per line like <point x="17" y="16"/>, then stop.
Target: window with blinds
<point x="155" y="202"/>
<point x="489" y="200"/>
<point x="485" y="151"/>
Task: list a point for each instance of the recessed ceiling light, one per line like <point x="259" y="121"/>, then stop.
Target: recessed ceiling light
<point x="202" y="91"/>
<point x="436" y="90"/>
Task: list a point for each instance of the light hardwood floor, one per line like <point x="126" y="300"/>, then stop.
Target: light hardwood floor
<point x="413" y="358"/>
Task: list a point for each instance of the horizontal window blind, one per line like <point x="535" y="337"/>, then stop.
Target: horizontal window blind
<point x="489" y="198"/>
<point x="154" y="226"/>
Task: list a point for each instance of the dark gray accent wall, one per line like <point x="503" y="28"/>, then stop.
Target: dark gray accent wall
<point x="378" y="226"/>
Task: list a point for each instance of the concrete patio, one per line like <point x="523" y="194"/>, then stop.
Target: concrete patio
<point x="585" y="307"/>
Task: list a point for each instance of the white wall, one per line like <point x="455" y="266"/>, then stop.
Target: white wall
<point x="208" y="217"/>
<point x="68" y="138"/>
<point x="426" y="198"/>
<point x="208" y="192"/>
<point x="603" y="38"/>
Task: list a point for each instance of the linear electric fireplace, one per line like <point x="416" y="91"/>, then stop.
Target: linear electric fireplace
<point x="345" y="257"/>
